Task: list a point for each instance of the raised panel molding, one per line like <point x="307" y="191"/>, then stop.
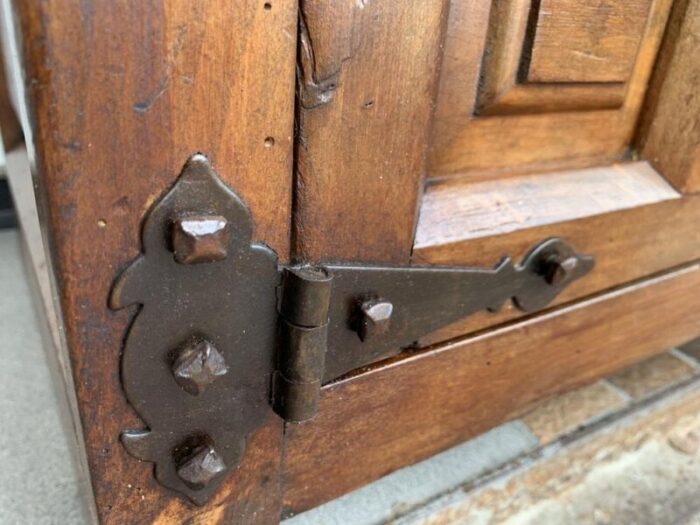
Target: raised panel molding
<point x="543" y="56"/>
<point x="490" y="123"/>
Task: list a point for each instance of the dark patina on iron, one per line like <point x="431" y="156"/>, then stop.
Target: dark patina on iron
<point x="225" y="333"/>
<point x="199" y="354"/>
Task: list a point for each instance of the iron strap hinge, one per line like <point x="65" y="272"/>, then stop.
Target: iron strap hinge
<point x="227" y="335"/>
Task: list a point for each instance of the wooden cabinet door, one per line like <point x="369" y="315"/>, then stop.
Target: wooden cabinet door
<point x="459" y="132"/>
<point x="422" y="132"/>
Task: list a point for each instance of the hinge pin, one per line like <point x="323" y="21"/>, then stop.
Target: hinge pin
<point x="304" y="330"/>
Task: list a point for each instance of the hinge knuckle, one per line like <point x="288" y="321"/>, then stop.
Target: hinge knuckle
<point x="306" y="296"/>
<point x="296" y="402"/>
<point x="304" y="357"/>
<point x="303" y="342"/>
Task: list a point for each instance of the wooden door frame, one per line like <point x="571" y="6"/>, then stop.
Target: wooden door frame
<point x="119" y="96"/>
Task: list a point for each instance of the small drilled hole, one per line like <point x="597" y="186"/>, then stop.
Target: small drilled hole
<point x="369" y="104"/>
<point x="269" y="142"/>
<point x="268" y="6"/>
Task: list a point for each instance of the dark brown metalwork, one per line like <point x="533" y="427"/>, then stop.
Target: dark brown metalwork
<point x="424" y="299"/>
<point x="231" y="304"/>
<point x="197" y="365"/>
<point x="303" y="341"/>
<point x="208" y="342"/>
<point x="200" y="238"/>
<point x="201" y="467"/>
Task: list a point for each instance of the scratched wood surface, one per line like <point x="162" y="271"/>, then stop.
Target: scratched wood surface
<point x="455" y="211"/>
<point x="403" y="412"/>
<point x="669" y="136"/>
<point x="121" y="94"/>
<point x="368" y="71"/>
<point x="586" y="40"/>
<point x="621" y="222"/>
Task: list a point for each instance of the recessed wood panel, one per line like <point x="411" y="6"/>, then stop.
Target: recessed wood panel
<point x="491" y="118"/>
<point x="514" y="26"/>
<point x="585" y="40"/>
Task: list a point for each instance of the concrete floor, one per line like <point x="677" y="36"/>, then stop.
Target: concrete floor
<point x="643" y="469"/>
<point x="37" y="476"/>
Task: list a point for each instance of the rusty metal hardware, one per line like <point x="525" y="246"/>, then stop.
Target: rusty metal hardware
<point x="227" y="336"/>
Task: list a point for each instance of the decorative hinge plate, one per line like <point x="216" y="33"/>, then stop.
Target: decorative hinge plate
<point x="225" y="333"/>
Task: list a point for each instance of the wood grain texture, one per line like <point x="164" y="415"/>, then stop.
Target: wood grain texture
<point x="400" y="413"/>
<point x="504" y="88"/>
<point x="507" y="29"/>
<point x="456" y="211"/>
<point x="670" y="135"/>
<point x="628" y="243"/>
<point x="121" y="94"/>
<point x="586" y="40"/>
<point x="462" y="144"/>
<point x="521" y="143"/>
<point x="523" y="99"/>
<point x="459" y="74"/>
<point x="368" y="76"/>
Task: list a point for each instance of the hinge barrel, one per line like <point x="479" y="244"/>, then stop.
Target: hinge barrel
<point x="303" y="333"/>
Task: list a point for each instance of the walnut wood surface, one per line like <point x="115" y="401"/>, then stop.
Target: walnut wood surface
<point x="506" y="89"/>
<point x="454" y="211"/>
<point x="368" y="72"/>
<point x="631" y="235"/>
<point x="670" y="136"/>
<point x="548" y="98"/>
<point x="462" y="143"/>
<point x="586" y="40"/>
<point x="403" y="412"/>
<point x="9" y="123"/>
<point x="121" y="94"/>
